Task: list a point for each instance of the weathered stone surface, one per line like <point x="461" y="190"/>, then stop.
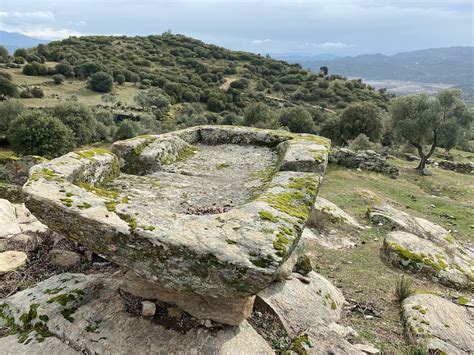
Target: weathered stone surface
<point x="224" y="310"/>
<point x="19" y="228"/>
<point x="10" y="192"/>
<point x="324" y="341"/>
<point x="99" y="324"/>
<point x="386" y="214"/>
<point x="11" y="260"/>
<point x="49" y="346"/>
<point x="364" y="159"/>
<point x="302" y="306"/>
<point x="8" y="221"/>
<point x="328" y="210"/>
<point x="449" y="265"/>
<point x="439" y="324"/>
<point x="18" y="167"/>
<point x="332" y="239"/>
<point x="234" y="253"/>
<point x="148" y="309"/>
<point x="64" y="258"/>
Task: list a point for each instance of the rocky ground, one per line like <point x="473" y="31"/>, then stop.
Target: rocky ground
<point x="392" y="272"/>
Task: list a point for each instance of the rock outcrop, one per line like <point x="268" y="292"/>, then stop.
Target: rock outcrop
<point x="364" y="159"/>
<point x="151" y="207"/>
<point x="76" y="314"/>
<point x="440" y="325"/>
<point x="19" y="228"/>
<point x="324" y="209"/>
<point x="422" y="246"/>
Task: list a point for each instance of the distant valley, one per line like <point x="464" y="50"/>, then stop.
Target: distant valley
<point x="407" y="72"/>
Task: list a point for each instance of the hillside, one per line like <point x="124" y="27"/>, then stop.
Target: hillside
<point x="12" y="41"/>
<point x="192" y="71"/>
<point x="453" y="65"/>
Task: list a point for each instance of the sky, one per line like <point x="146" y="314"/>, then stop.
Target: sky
<point x="341" y="27"/>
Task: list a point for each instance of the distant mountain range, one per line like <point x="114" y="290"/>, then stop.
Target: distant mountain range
<point x="452" y="65"/>
<point x="12" y="41"/>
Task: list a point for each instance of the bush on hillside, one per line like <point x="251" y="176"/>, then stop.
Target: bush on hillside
<point x="37" y="133"/>
<point x="9" y="110"/>
<point x="79" y="118"/>
<point x="260" y="115"/>
<point x="120" y="79"/>
<point x="297" y="120"/>
<point x="37" y="93"/>
<point x="58" y="79"/>
<point x="101" y="82"/>
<point x="7" y="88"/>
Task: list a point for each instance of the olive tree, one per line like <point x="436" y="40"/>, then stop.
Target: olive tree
<point x="423" y="120"/>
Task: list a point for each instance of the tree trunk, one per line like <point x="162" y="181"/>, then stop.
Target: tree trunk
<point x="424" y="157"/>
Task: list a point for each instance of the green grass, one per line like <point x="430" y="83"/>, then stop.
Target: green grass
<point x="55" y="94"/>
<point x="451" y="193"/>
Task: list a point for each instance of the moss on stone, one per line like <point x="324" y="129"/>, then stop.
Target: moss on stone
<point x="148" y="228"/>
<point x="110" y="205"/>
<point x="298" y="344"/>
<point x="222" y="165"/>
<point x="68" y="297"/>
<point x="91" y="153"/>
<point x="46" y="174"/>
<point x="84" y="205"/>
<point x="280" y="244"/>
<point x="268" y="216"/>
<point x="99" y="191"/>
<point x="463" y="300"/>
<point x="66" y="201"/>
<point x="419" y="308"/>
<point x="416" y="258"/>
<point x="53" y="291"/>
<point x="132" y="223"/>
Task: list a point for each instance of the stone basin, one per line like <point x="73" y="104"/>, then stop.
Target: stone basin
<point x="211" y="211"/>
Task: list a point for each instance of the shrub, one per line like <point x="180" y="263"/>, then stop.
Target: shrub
<point x="297" y="120"/>
<point x="37" y="133"/>
<point x="101" y="82"/>
<point x="6" y="75"/>
<point x="128" y="129"/>
<point x="19" y="60"/>
<point x="259" y="115"/>
<point x="361" y="142"/>
<point x="37" y="92"/>
<point x="120" y="78"/>
<point x="9" y="110"/>
<point x="7" y="88"/>
<point x="65" y="69"/>
<point x="20" y="52"/>
<point x="58" y="79"/>
<point x="153" y="98"/>
<point x="79" y="119"/>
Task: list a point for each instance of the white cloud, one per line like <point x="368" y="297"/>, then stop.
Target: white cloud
<point x="261" y="41"/>
<point x="334" y="45"/>
<point x="32" y="16"/>
<point x="50" y="33"/>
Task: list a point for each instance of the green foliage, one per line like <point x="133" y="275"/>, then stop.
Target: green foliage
<point x="64" y="68"/>
<point x="297" y="120"/>
<point x="403" y="288"/>
<point x="120" y="79"/>
<point x="20" y="52"/>
<point x="9" y="110"/>
<point x="424" y="120"/>
<point x="7" y="88"/>
<point x="58" y="78"/>
<point x="39" y="134"/>
<point x="37" y="92"/>
<point x="153" y="99"/>
<point x="361" y="142"/>
<point x="128" y="129"/>
<point x="356" y="119"/>
<point x="101" y="82"/>
<point x="79" y="118"/>
<point x="259" y="115"/>
<point x="35" y="68"/>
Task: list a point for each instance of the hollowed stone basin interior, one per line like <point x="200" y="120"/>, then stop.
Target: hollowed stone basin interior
<point x="212" y="211"/>
<point x="213" y="179"/>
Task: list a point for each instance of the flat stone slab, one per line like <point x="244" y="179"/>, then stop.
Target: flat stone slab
<point x="387" y="214"/>
<point x="182" y="209"/>
<point x="301" y="306"/>
<point x="447" y="264"/>
<point x="12" y="260"/>
<point x="333" y="213"/>
<point x="85" y="313"/>
<point x="439" y="324"/>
